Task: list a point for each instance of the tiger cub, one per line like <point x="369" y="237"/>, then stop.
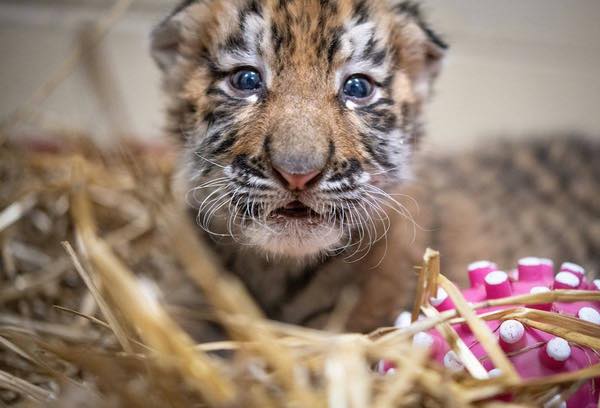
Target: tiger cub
<point x="298" y="122"/>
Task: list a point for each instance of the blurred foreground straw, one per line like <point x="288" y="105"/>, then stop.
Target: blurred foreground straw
<point x="118" y="337"/>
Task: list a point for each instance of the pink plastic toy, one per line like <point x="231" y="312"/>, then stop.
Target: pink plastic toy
<point x="533" y="353"/>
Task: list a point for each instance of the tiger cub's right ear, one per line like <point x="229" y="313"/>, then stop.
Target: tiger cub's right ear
<point x="165" y="38"/>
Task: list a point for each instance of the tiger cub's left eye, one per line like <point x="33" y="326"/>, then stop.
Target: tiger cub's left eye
<point x="247" y="80"/>
<point x="358" y="87"/>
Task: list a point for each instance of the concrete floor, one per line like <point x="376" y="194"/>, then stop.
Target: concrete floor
<point x="516" y="67"/>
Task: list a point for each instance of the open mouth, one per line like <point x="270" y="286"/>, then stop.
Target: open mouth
<point x="296" y="209"/>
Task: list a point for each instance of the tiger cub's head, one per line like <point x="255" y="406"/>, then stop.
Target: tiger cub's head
<point x="295" y="115"/>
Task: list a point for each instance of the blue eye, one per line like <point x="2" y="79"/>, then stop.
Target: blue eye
<point x="358" y="87"/>
<point x="246" y="80"/>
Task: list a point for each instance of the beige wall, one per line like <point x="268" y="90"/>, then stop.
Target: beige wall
<point x="516" y="67"/>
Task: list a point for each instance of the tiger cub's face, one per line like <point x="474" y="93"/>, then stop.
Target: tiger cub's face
<point x="296" y="115"/>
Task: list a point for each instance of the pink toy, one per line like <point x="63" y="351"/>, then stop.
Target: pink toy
<point x="533" y="353"/>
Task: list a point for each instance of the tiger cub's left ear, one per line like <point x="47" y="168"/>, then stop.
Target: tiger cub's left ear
<point x="166" y="38"/>
<point x="422" y="51"/>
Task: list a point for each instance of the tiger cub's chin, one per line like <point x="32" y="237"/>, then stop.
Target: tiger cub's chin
<point x="302" y="239"/>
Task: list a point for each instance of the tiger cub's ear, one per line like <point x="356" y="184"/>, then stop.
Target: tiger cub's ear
<point x="422" y="50"/>
<point x="165" y="39"/>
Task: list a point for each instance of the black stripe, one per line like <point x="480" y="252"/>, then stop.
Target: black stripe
<point x="276" y="38"/>
<point x="370" y="47"/>
<point x="225" y="145"/>
<point x="216" y="72"/>
<point x="253" y="7"/>
<point x="379" y="57"/>
<point x="240" y="163"/>
<point x="343" y="189"/>
<point x="361" y="11"/>
<point x="413" y="10"/>
<point x="378" y="154"/>
<point x="235" y="42"/>
<point x="334" y="45"/>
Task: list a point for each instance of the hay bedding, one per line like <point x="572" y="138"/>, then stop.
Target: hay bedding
<point x="100" y="280"/>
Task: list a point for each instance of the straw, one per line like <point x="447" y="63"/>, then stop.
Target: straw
<point x="104" y="321"/>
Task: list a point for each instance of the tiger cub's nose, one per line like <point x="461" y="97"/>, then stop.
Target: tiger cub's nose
<point x="297" y="182"/>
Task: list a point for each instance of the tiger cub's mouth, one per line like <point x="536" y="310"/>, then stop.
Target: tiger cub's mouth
<point x="295" y="209"/>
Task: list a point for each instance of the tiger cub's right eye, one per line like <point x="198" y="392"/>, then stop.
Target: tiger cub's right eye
<point x="358" y="87"/>
<point x="247" y="80"/>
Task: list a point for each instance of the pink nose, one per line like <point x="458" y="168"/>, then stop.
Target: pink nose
<point x="297" y="181"/>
